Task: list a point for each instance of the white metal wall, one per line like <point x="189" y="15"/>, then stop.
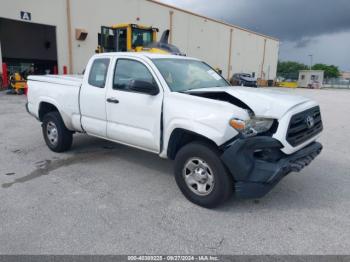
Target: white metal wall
<point x="271" y="58"/>
<point x="247" y="52"/>
<point x="194" y="35"/>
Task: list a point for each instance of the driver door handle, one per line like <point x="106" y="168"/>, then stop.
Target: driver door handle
<point x="112" y="100"/>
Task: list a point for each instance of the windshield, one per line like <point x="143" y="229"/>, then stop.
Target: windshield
<point x="184" y="74"/>
<point x="141" y="37"/>
<point x="245" y="75"/>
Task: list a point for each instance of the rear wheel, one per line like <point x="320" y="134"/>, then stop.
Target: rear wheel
<point x="201" y="176"/>
<point x="57" y="137"/>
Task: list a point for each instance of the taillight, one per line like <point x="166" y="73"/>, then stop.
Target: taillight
<point x="25" y="89"/>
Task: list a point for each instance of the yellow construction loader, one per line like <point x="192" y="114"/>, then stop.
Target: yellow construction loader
<point x="134" y="38"/>
<point x="18" y="84"/>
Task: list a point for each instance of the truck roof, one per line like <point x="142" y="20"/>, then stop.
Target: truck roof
<point x="144" y="55"/>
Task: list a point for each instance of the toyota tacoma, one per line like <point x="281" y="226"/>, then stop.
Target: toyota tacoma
<point x="224" y="139"/>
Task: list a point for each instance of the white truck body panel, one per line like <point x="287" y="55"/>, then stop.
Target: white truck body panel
<point x="135" y="121"/>
<point x="93" y="105"/>
<point x="271" y="104"/>
<point x="60" y="91"/>
<point x="208" y="118"/>
<point x="147" y="122"/>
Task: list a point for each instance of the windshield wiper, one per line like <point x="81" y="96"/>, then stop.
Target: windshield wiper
<point x="191" y="89"/>
<point x="185" y="91"/>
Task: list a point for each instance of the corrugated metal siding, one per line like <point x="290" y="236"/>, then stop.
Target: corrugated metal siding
<point x="194" y="34"/>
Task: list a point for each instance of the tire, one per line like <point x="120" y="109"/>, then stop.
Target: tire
<point x="206" y="156"/>
<point x="57" y="137"/>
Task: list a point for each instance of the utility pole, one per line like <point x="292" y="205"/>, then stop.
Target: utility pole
<point x="311" y="57"/>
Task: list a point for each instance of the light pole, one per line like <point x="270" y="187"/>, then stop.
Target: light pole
<point x="311" y="57"/>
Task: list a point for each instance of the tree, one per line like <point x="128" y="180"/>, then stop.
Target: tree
<point x="330" y="71"/>
<point x="290" y="69"/>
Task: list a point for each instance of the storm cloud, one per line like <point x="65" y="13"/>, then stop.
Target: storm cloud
<point x="289" y="20"/>
<point x="298" y="23"/>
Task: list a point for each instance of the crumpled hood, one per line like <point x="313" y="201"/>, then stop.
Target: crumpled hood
<point x="264" y="102"/>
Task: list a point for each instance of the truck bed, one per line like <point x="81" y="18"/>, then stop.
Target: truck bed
<point x="71" y="80"/>
<point x="61" y="91"/>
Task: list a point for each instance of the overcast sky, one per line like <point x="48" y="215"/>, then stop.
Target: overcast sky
<point x="304" y="27"/>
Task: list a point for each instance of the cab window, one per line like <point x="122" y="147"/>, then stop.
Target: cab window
<point x="122" y="40"/>
<point x="127" y="71"/>
<point x="98" y="72"/>
<point x="141" y="37"/>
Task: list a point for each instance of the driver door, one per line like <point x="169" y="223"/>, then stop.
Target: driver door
<point x="133" y="117"/>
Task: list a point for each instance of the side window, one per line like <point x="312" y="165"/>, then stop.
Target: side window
<point x="128" y="71"/>
<point x="122" y="40"/>
<point x="98" y="72"/>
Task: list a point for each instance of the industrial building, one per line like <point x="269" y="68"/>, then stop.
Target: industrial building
<point x="46" y="33"/>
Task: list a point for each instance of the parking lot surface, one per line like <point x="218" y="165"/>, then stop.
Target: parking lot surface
<point x="105" y="198"/>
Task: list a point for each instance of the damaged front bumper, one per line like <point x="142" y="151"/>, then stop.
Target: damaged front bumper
<point x="257" y="164"/>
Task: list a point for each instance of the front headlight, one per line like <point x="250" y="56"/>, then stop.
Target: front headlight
<point x="252" y="126"/>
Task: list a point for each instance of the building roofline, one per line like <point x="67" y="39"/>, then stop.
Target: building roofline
<point x="311" y="70"/>
<point x="212" y="19"/>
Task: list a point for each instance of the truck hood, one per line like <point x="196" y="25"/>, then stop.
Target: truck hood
<point x="263" y="102"/>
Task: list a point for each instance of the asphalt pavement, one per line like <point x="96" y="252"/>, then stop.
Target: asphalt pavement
<point x="105" y="198"/>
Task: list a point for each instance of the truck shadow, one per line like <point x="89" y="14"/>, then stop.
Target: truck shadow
<point x="91" y="145"/>
<point x="86" y="149"/>
<point x="298" y="190"/>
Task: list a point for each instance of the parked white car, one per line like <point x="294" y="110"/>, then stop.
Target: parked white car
<point x="223" y="139"/>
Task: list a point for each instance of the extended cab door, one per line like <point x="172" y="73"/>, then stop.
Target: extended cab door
<point x="93" y="97"/>
<point x="133" y="116"/>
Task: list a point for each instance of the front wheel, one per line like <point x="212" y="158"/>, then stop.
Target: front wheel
<point x="201" y="176"/>
<point x="57" y="137"/>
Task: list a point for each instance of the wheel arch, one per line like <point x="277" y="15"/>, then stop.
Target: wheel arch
<point x="180" y="137"/>
<point x="46" y="107"/>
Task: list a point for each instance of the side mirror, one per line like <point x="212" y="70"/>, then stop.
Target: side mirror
<point x="144" y="87"/>
<point x="218" y="70"/>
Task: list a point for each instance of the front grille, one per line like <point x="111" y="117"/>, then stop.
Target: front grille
<point x="299" y="131"/>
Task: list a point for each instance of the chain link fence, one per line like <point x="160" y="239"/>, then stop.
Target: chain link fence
<point x="327" y="83"/>
<point x="336" y="83"/>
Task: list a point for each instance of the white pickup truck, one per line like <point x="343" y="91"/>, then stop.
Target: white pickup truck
<point x="223" y="139"/>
